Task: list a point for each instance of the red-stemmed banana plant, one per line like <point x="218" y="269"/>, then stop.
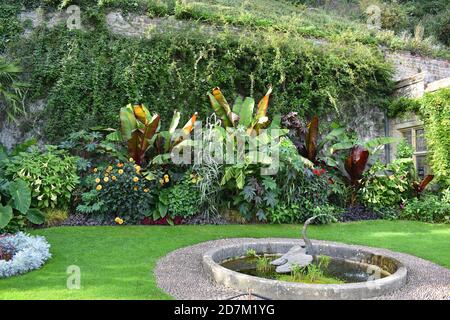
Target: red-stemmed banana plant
<point x="355" y="165"/>
<point x="309" y="148"/>
<point x="138" y="127"/>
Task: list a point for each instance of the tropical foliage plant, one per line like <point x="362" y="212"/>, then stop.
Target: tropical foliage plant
<point x="15" y="206"/>
<point x="138" y="127"/>
<point x="242" y="112"/>
<point x="51" y="175"/>
<point x="167" y="140"/>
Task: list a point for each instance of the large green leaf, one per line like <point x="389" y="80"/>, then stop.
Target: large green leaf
<point x="35" y="216"/>
<point x="220" y="111"/>
<point x="175" y="121"/>
<point x="127" y="122"/>
<point x="149" y="132"/>
<point x="263" y="105"/>
<point x="375" y="144"/>
<point x="21" y="195"/>
<point x="246" y="112"/>
<point x="6" y="214"/>
<point x="237" y="106"/>
<point x="114" y="136"/>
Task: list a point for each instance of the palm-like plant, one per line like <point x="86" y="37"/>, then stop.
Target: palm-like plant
<point x="11" y="89"/>
<point x="138" y="127"/>
<point x="242" y="112"/>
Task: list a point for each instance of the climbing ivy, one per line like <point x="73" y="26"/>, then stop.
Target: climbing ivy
<point x="87" y="76"/>
<point x="435" y="112"/>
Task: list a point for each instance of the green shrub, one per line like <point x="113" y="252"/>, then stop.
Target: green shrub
<point x="51" y="175"/>
<point x="293" y="213"/>
<point x="404" y="150"/>
<point x="120" y="190"/>
<point x="403" y="105"/>
<point x="184" y="198"/>
<point x="429" y="208"/>
<point x="386" y="186"/>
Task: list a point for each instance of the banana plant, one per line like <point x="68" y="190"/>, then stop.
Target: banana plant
<point x="355" y="163"/>
<point x="309" y="148"/>
<point x="138" y="128"/>
<point x="167" y="140"/>
<point x="242" y="112"/>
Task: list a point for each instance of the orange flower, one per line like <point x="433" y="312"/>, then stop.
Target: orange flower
<point x="120" y="164"/>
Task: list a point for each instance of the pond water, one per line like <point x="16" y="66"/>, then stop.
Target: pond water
<point x="335" y="271"/>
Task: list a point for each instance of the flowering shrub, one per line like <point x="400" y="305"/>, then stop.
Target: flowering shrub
<point x="26" y="253"/>
<point x="120" y="190"/>
<point x="51" y="175"/>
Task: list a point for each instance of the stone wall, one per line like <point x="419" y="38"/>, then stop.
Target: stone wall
<point x="407" y="65"/>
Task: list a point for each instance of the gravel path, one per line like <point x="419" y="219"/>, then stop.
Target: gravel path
<point x="180" y="274"/>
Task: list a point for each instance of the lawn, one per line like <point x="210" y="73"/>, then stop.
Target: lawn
<point x="117" y="262"/>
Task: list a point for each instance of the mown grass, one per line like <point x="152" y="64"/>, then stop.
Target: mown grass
<point x="118" y="262"/>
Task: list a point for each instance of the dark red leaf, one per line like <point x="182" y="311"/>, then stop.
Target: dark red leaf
<point x="355" y="164"/>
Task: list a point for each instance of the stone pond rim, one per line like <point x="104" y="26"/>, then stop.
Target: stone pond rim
<point x="274" y="289"/>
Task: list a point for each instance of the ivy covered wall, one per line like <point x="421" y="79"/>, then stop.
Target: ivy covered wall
<point x="435" y="113"/>
<point x="85" y="76"/>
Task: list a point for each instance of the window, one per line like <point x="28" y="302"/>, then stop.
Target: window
<point x="416" y="137"/>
